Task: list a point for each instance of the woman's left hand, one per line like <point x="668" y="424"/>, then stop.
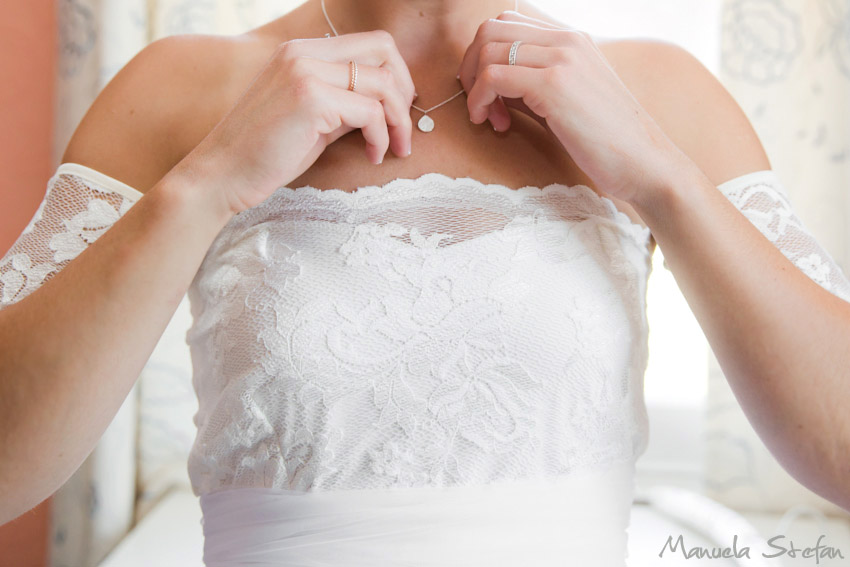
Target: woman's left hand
<point x="563" y="80"/>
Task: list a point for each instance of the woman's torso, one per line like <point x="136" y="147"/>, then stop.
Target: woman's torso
<point x="331" y="356"/>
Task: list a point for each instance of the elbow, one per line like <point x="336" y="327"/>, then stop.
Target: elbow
<point x="840" y="463"/>
<point x="826" y="471"/>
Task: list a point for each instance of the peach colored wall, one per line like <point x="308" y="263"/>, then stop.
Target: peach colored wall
<point x="27" y="62"/>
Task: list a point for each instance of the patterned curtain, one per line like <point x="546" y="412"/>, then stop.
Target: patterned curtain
<point x="787" y="62"/>
<point x="143" y="453"/>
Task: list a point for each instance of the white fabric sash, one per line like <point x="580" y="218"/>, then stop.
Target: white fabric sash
<point x="579" y="519"/>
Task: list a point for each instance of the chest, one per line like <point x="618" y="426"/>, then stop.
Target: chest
<point x="525" y="155"/>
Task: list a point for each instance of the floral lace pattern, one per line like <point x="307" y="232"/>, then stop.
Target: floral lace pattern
<point x="430" y="332"/>
<point x="73" y="213"/>
<point x="761" y="197"/>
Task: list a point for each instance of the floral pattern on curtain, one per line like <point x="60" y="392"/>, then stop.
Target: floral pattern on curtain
<point x="787" y="63"/>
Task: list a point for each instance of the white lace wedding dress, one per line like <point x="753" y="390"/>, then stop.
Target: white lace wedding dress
<point x="434" y="372"/>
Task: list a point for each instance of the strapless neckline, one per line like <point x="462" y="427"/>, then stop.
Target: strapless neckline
<point x="366" y="193"/>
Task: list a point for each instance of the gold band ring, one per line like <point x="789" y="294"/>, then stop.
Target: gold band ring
<point x="352" y="79"/>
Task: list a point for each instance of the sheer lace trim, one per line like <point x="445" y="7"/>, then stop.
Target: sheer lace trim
<point x="763" y="199"/>
<point x="100" y="179"/>
<point x="77" y="208"/>
<point x="762" y="176"/>
<point x="439" y="187"/>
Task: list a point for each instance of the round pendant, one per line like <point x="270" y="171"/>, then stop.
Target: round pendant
<point x="426" y="124"/>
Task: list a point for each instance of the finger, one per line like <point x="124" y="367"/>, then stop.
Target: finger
<point x="508" y="81"/>
<point x="355" y="110"/>
<point x="374" y="82"/>
<point x="376" y="48"/>
<point x="518" y="104"/>
<point x="392" y="59"/>
<point x="512" y="16"/>
<point x="498" y="115"/>
<point x="497" y="52"/>
<point x="380" y="84"/>
<point x="527" y="55"/>
<point x="494" y="30"/>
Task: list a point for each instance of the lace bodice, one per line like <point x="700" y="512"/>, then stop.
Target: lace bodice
<point x="427" y="332"/>
<point x="431" y="331"/>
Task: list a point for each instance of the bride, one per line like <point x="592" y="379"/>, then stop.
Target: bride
<point x="416" y="237"/>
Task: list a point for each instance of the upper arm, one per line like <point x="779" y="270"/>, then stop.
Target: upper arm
<point x="691" y="106"/>
<point x="128" y="132"/>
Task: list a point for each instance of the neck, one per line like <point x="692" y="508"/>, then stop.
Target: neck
<point x="431" y="35"/>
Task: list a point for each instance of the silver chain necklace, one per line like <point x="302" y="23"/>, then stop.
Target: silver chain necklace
<point x="426" y="123"/>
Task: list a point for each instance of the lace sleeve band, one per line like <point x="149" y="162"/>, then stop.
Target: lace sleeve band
<point x="79" y="205"/>
<point x="762" y="198"/>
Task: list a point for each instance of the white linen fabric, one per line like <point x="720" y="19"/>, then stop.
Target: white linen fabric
<point x="401" y="346"/>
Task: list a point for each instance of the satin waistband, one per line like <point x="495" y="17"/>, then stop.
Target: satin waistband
<point x="578" y="519"/>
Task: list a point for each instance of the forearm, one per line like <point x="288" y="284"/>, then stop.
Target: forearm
<point x="72" y="350"/>
<point x="782" y="340"/>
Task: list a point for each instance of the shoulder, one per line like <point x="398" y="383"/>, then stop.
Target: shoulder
<point x="690" y="104"/>
<point x="132" y="131"/>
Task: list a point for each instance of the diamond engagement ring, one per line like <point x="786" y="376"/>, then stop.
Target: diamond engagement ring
<point x="512" y="54"/>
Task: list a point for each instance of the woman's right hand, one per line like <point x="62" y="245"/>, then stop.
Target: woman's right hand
<point x="297" y="105"/>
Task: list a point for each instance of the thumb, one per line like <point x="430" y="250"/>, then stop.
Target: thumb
<point x="518" y="104"/>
